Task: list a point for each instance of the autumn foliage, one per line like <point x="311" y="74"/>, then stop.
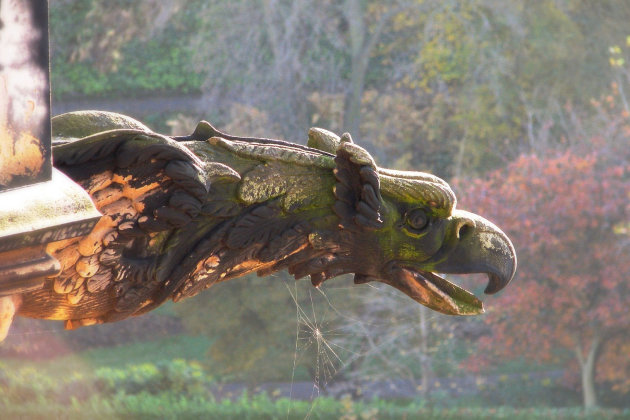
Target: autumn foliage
<point x="568" y="218"/>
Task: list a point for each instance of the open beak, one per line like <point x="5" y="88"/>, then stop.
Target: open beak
<point x="472" y="245"/>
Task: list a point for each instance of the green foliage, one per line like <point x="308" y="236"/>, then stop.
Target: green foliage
<point x="172" y="406"/>
<point x="178" y="376"/>
<point x="104" y="60"/>
<point x="84" y="363"/>
<point x="180" y="389"/>
<point x="148" y="69"/>
<point x="26" y="384"/>
<point x="521" y="390"/>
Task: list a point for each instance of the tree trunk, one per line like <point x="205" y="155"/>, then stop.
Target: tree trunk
<point x="587" y="368"/>
<point x="361" y="47"/>
<point x="359" y="60"/>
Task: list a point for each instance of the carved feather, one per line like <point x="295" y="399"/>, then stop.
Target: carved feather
<point x="180" y="214"/>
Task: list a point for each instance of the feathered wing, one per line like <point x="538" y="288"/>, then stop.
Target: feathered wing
<point x="145" y="185"/>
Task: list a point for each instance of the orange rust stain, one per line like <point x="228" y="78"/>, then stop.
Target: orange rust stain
<point x="72" y="324"/>
<point x="77" y="281"/>
<point x="67" y="257"/>
<point x="138" y="201"/>
<point x="74" y="298"/>
<point x="21" y="156"/>
<point x="60" y="313"/>
<point x="212" y="261"/>
<point x="133" y="193"/>
<point x="121" y="179"/>
<point x="206" y="265"/>
<point x="93" y="242"/>
<point x="248" y="266"/>
<point x="251" y="266"/>
<point x="199" y="268"/>
<point x="87" y="266"/>
<point x="57" y="246"/>
<point x="104" y="225"/>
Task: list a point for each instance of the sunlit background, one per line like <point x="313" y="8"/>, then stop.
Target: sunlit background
<point x="522" y="106"/>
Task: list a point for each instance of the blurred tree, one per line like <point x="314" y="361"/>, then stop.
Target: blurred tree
<point x="492" y="79"/>
<point x="269" y="55"/>
<point x="121" y="47"/>
<point x="250" y="333"/>
<point x="107" y="26"/>
<point x="455" y="88"/>
<point x="272" y="329"/>
<point x="366" y="22"/>
<point x="568" y="217"/>
<point x="391" y="337"/>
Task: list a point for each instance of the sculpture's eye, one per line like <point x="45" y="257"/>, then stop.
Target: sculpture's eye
<point x="417" y="219"/>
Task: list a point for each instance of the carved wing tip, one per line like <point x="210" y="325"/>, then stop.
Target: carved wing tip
<point x="204" y="131"/>
<point x="355" y="153"/>
<point x="324" y="140"/>
<point x="346" y="138"/>
<point x="357" y="191"/>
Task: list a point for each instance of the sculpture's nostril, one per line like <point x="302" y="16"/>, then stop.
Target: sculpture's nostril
<point x="464" y="229"/>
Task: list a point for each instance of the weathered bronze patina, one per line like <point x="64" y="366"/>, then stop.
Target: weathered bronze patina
<point x="183" y="213"/>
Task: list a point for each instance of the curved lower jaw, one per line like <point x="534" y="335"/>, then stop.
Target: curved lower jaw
<point x="424" y="287"/>
<point x="435" y="292"/>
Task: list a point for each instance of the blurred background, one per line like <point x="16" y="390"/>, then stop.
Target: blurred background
<point x="521" y="106"/>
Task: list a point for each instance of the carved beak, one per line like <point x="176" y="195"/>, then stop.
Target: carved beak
<point x="472" y="245"/>
<point x="478" y="246"/>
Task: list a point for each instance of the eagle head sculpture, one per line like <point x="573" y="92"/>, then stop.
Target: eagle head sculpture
<point x="182" y="213"/>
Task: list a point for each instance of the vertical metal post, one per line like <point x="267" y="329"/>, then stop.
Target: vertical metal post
<point x="38" y="204"/>
<point x="24" y="94"/>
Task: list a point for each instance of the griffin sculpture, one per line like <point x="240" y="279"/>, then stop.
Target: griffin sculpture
<point x="183" y="213"/>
